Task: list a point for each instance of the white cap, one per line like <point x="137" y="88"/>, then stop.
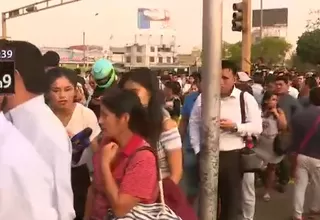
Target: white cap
<point x="243" y="77"/>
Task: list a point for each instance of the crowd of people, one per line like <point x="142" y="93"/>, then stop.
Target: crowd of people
<point x="99" y="145"/>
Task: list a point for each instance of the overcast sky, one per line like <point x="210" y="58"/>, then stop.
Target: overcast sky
<point x="63" y="26"/>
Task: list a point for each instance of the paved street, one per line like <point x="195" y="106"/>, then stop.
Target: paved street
<point x="278" y="208"/>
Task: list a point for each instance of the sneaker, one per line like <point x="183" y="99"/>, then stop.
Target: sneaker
<point x="266" y="197"/>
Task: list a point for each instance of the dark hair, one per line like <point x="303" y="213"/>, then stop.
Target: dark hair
<point x="51" y="59"/>
<point x="228" y="64"/>
<point x="55" y="73"/>
<point x="77" y="71"/>
<point x="267" y="95"/>
<point x="283" y="78"/>
<point x="28" y="62"/>
<point x="150" y="82"/>
<point x="314" y="96"/>
<point x="130" y="104"/>
<point x="174" y="86"/>
<point x="311" y="82"/>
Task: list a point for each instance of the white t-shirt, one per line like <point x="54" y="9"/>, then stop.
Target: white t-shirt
<point x="82" y="118"/>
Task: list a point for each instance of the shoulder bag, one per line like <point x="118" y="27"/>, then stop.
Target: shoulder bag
<point x="249" y="160"/>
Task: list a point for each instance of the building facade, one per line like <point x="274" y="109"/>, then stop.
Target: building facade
<point x="148" y="55"/>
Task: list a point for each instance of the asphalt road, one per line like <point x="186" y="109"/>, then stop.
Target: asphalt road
<point x="278" y="208"/>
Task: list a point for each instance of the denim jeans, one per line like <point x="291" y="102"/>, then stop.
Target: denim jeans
<point x="307" y="171"/>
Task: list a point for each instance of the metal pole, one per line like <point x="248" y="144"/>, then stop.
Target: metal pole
<point x="246" y="37"/>
<point x="4" y="26"/>
<point x="209" y="156"/>
<point x="84" y="48"/>
<point x="261" y="19"/>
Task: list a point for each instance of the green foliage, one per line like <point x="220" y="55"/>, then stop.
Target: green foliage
<point x="308" y="47"/>
<point x="296" y="63"/>
<point x="272" y="49"/>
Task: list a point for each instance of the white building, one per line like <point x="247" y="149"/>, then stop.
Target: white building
<point x="149" y="55"/>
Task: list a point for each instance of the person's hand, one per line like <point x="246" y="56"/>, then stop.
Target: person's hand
<point x="275" y="112"/>
<point x="227" y="124"/>
<point x="109" y="152"/>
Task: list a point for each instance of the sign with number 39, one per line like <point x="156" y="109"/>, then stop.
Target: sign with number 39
<point x="7" y="70"/>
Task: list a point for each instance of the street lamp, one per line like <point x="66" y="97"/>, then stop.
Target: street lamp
<point x="28" y="9"/>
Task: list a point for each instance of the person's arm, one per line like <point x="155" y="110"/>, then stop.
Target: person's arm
<point x="281" y="119"/>
<point x="253" y="123"/>
<point x="91" y="122"/>
<point x="171" y="141"/>
<point x="195" y="125"/>
<point x="138" y="184"/>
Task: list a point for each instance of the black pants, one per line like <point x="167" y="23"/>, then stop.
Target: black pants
<point x="230" y="184"/>
<point x="80" y="181"/>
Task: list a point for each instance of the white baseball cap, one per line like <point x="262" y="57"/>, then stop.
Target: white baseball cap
<point x="243" y="77"/>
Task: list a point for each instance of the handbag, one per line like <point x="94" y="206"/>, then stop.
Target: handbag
<point x="282" y="143"/>
<point x="155" y="211"/>
<point x="250" y="161"/>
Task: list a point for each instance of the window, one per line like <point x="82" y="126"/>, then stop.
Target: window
<point x="139" y="59"/>
<point x="160" y="59"/>
<point x="139" y="49"/>
<point x="168" y="59"/>
<point x="128" y="59"/>
<point x="152" y="49"/>
<point x="151" y="59"/>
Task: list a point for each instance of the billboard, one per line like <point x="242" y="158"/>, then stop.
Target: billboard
<point x="149" y="18"/>
<point x="271" y="17"/>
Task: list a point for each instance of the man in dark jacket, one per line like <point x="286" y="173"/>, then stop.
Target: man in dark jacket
<point x="305" y="127"/>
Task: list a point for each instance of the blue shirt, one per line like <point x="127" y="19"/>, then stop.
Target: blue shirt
<point x="189" y="101"/>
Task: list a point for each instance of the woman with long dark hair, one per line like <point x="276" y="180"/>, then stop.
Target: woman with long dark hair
<point x="146" y="85"/>
<point x="125" y="172"/>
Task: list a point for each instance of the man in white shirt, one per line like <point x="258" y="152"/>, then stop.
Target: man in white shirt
<point x="231" y="141"/>
<point x="33" y="118"/>
<point x="25" y="181"/>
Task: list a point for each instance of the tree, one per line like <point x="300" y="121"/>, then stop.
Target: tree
<point x="273" y="50"/>
<point x="296" y="63"/>
<point x="308" y="47"/>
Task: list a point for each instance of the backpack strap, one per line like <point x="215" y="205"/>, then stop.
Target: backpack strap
<point x="242" y="108"/>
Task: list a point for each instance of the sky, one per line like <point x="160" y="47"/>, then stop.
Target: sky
<point x="64" y="26"/>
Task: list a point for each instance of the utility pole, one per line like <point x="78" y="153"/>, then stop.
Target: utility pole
<point x="209" y="154"/>
<point x="261" y="19"/>
<point x="246" y="37"/>
<point x="28" y="9"/>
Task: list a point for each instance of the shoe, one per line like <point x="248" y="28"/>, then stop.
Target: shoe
<point x="266" y="197"/>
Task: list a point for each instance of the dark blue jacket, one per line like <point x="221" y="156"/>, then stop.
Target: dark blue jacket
<point x="302" y="123"/>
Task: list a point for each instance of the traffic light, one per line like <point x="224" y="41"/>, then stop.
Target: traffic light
<point x="237" y="17"/>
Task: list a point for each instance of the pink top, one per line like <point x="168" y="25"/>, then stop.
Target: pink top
<point x="139" y="179"/>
